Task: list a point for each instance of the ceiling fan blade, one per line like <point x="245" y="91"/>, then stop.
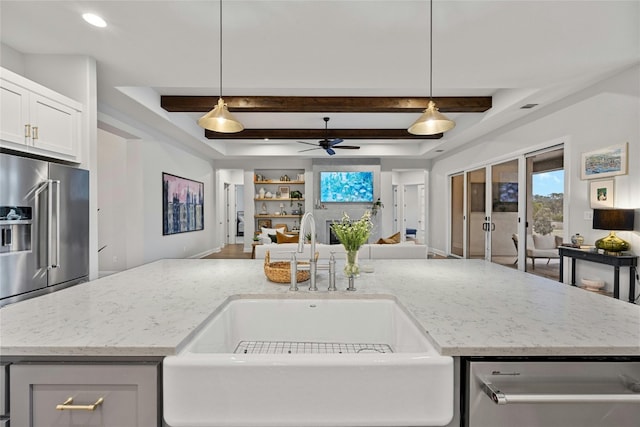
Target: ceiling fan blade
<point x="308" y="143"/>
<point x="348" y="147"/>
<point x="309" y="149"/>
<point x="335" y="141"/>
<point x="330" y="151"/>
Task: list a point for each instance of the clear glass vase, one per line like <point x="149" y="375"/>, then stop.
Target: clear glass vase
<point x="352" y="268"/>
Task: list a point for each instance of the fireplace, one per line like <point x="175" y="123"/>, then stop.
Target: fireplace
<point x="333" y="239"/>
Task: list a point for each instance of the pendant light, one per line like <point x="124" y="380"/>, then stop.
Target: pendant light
<point x="220" y="119"/>
<point x="431" y="121"/>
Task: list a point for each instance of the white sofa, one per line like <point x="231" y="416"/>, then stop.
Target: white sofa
<point x="407" y="250"/>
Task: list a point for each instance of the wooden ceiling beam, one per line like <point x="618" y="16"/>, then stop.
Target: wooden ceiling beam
<point x="326" y="104"/>
<point x="319" y="134"/>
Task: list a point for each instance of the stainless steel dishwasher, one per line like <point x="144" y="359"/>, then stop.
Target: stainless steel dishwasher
<point x="551" y="393"/>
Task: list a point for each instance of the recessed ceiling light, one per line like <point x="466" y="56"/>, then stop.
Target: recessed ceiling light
<point x="528" y="106"/>
<point x="439" y="151"/>
<point x="94" y="20"/>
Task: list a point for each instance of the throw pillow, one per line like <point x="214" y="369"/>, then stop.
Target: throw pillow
<point x="274" y="238"/>
<point x="266" y="234"/>
<point x="391" y="240"/>
<point x="272" y="230"/>
<point x="548" y="241"/>
<point x="286" y="238"/>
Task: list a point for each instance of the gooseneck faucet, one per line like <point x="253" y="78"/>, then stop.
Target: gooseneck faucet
<point x="308" y="221"/>
<point x="308" y="226"/>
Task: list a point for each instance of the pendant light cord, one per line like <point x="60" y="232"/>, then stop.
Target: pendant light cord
<point x="220" y="48"/>
<point x="430" y="49"/>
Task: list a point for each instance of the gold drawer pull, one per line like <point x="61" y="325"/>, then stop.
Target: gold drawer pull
<point x="27" y="131"/>
<point x="67" y="405"/>
<point x="35" y="132"/>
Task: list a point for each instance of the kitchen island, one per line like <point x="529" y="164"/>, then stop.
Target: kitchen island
<point x="469" y="309"/>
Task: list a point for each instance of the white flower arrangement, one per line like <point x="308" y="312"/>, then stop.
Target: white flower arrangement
<point x="353" y="233"/>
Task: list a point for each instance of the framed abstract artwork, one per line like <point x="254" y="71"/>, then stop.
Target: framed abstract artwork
<point x="605" y="162"/>
<point x="182" y="204"/>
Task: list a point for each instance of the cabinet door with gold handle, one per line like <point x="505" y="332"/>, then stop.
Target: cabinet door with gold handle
<point x="105" y="395"/>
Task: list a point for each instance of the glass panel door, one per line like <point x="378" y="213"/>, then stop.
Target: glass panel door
<point x="545" y="210"/>
<point x="457" y="215"/>
<point x="477" y="218"/>
<point x="503" y="218"/>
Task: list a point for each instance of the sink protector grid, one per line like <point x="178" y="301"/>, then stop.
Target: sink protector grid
<point x="288" y="347"/>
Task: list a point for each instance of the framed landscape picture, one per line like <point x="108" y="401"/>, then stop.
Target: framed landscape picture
<point x="601" y="194"/>
<point x="182" y="204"/>
<point x="605" y="162"/>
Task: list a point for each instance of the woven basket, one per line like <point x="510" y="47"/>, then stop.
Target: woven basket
<point x="280" y="271"/>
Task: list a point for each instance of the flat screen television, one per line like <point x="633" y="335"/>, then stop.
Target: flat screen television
<point x="346" y="187"/>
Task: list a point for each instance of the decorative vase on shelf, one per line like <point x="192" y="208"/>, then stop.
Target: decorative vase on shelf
<point x="577" y="239"/>
<point x="261" y="193"/>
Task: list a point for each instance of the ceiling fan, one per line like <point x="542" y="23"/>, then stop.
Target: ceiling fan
<point x="328" y="145"/>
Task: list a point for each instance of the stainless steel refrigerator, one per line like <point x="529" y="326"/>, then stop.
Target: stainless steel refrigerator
<point x="44" y="227"/>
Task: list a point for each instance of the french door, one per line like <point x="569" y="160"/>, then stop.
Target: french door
<point x="484" y="212"/>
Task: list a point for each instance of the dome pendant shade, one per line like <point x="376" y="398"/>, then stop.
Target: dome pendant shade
<point x="431" y="122"/>
<point x="220" y="120"/>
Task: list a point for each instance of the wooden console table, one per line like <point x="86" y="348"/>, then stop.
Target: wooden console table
<point x="616" y="261"/>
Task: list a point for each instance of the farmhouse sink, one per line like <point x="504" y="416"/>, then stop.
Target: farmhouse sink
<point x="309" y="362"/>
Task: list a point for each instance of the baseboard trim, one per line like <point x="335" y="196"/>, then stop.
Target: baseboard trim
<point x="205" y="253"/>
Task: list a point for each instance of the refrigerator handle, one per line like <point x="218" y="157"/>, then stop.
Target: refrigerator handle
<point x="48" y="185"/>
<point x="54" y="242"/>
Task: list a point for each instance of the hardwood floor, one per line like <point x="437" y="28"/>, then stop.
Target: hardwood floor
<point x="231" y="251"/>
<point x="550" y="270"/>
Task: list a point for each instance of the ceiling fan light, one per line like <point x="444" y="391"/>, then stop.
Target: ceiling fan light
<point x="431" y="122"/>
<point x="220" y="120"/>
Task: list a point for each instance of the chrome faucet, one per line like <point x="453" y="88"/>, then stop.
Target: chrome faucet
<point x="308" y="221"/>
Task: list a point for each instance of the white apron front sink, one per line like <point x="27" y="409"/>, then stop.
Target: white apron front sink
<point x="309" y="362"/>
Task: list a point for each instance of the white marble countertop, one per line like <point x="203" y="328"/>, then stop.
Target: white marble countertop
<point x="468" y="308"/>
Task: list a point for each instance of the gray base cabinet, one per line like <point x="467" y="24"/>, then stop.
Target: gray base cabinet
<point x="4" y="394"/>
<point x="105" y="395"/>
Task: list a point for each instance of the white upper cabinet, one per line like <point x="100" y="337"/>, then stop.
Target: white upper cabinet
<point x="37" y="120"/>
<point x="14" y="113"/>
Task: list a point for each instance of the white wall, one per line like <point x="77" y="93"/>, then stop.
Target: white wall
<point x="602" y="115"/>
<point x="158" y="157"/>
<point x="112" y="203"/>
<point x="131" y="202"/>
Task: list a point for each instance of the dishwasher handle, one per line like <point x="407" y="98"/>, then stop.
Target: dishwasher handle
<point x="500" y="397"/>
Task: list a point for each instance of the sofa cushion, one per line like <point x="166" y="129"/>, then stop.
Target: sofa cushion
<point x="286" y="238"/>
<point x="284" y="251"/>
<point x="393" y="239"/>
<point x="399" y="251"/>
<point x="548" y="241"/>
